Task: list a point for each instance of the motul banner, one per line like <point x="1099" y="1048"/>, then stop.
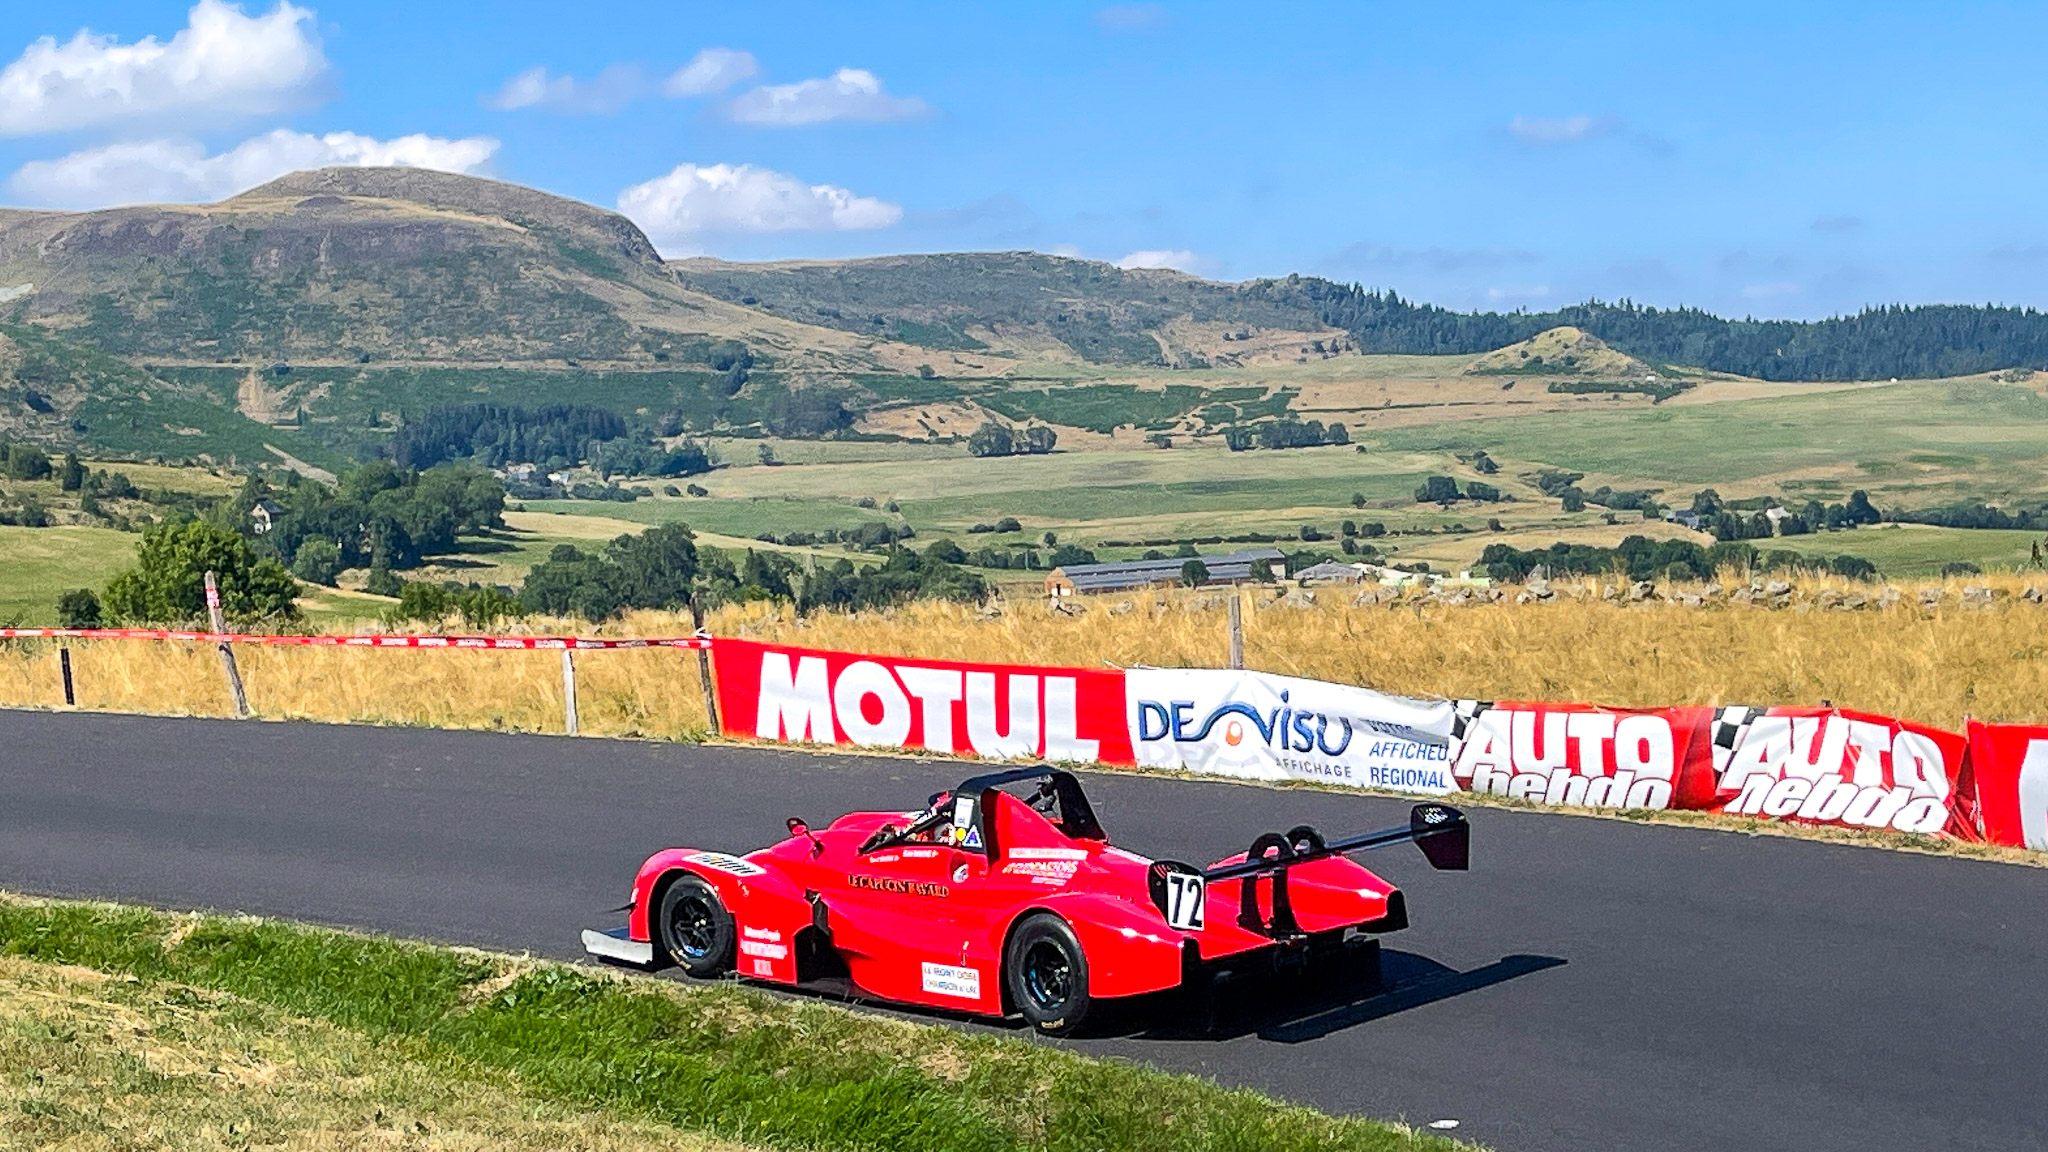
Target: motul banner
<point x="1831" y="766"/>
<point x="996" y="711"/>
<point x="1264" y="727"/>
<point x="2010" y="765"/>
<point x="1579" y="755"/>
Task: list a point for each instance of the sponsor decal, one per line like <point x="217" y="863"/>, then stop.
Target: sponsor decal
<point x="1053" y="873"/>
<point x="899" y="887"/>
<point x="997" y="711"/>
<point x="946" y="980"/>
<point x="769" y="934"/>
<point x="960" y="872"/>
<point x="724" y="863"/>
<point x="763" y="967"/>
<point x="1048" y="854"/>
<point x="765" y="951"/>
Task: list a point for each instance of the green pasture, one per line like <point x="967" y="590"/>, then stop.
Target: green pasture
<point x="38" y="563"/>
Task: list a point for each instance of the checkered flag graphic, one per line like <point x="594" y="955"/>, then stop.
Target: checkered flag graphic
<point x="1730" y="725"/>
<point x="1463" y="713"/>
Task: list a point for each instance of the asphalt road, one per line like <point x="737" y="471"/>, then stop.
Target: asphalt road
<point x="1590" y="984"/>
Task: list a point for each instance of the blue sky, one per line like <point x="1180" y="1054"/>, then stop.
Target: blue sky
<point x="1769" y="159"/>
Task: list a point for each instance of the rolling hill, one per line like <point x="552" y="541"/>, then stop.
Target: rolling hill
<point x="315" y="314"/>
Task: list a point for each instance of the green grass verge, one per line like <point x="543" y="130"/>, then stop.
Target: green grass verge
<point x="724" y="1060"/>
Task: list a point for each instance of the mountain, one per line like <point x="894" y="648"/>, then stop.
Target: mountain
<point x="1031" y="301"/>
<point x="370" y="264"/>
<point x="317" y="313"/>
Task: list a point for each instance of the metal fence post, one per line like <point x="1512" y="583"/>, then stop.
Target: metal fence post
<point x="64" y="662"/>
<point x="227" y="651"/>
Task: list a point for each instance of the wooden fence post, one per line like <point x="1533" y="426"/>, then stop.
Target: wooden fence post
<point x="569" y="691"/>
<point x="227" y="651"/>
<point x="1236" y="628"/>
<point x="704" y="670"/>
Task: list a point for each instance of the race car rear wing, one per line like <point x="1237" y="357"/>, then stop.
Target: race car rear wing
<point x="1440" y="830"/>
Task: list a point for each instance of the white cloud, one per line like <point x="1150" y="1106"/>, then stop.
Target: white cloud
<point x="607" y="92"/>
<point x="712" y="70"/>
<point x="848" y="94"/>
<point x="222" y="64"/>
<point x="159" y="171"/>
<point x="695" y="200"/>
<point x="1559" y="129"/>
<point x="1518" y="292"/>
<point x="1179" y="259"/>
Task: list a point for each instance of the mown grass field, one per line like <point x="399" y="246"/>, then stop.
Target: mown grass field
<point x="121" y="1027"/>
<point x="38" y="563"/>
<point x="1914" y="444"/>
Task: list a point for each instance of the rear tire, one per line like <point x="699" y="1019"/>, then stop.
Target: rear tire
<point x="695" y="929"/>
<point x="1046" y="974"/>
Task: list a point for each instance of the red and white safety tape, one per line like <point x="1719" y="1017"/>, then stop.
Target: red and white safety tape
<point x="373" y="641"/>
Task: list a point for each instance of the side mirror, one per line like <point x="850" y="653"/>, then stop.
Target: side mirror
<point x="797" y="827"/>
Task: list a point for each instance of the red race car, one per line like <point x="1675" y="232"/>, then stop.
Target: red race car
<point x="1004" y="895"/>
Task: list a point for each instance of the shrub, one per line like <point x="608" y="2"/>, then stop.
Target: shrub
<point x="1438" y="490"/>
<point x="318" y="561"/>
<point x="383" y="582"/>
<point x="78" y="608"/>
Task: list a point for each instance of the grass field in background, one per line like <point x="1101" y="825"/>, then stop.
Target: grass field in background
<point x="37" y="563"/>
<point x="122" y="1022"/>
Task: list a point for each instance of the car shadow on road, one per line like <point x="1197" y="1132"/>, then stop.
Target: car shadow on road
<point x="1288" y="1009"/>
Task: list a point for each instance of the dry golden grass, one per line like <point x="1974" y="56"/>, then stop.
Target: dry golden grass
<point x="1934" y="665"/>
<point x="631" y="692"/>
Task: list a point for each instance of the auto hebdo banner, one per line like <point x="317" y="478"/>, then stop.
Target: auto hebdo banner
<point x="2010" y="766"/>
<point x="1583" y="756"/>
<point x="1829" y="766"/>
<point x="998" y="711"/>
<point x="1264" y="727"/>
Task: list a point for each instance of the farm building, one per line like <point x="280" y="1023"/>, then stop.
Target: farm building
<point x="1129" y="575"/>
<point x="1331" y="572"/>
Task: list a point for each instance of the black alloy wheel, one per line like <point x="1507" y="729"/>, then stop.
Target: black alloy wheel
<point x="695" y="928"/>
<point x="1046" y="974"/>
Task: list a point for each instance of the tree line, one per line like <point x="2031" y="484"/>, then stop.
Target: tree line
<point x="1876" y="343"/>
<point x="551" y="437"/>
<point x="1641" y="558"/>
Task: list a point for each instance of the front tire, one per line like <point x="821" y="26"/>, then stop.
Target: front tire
<point x="1046" y="974"/>
<point x="695" y="929"/>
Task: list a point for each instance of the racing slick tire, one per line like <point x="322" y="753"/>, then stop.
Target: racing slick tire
<point x="1046" y="974"/>
<point x="694" y="928"/>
